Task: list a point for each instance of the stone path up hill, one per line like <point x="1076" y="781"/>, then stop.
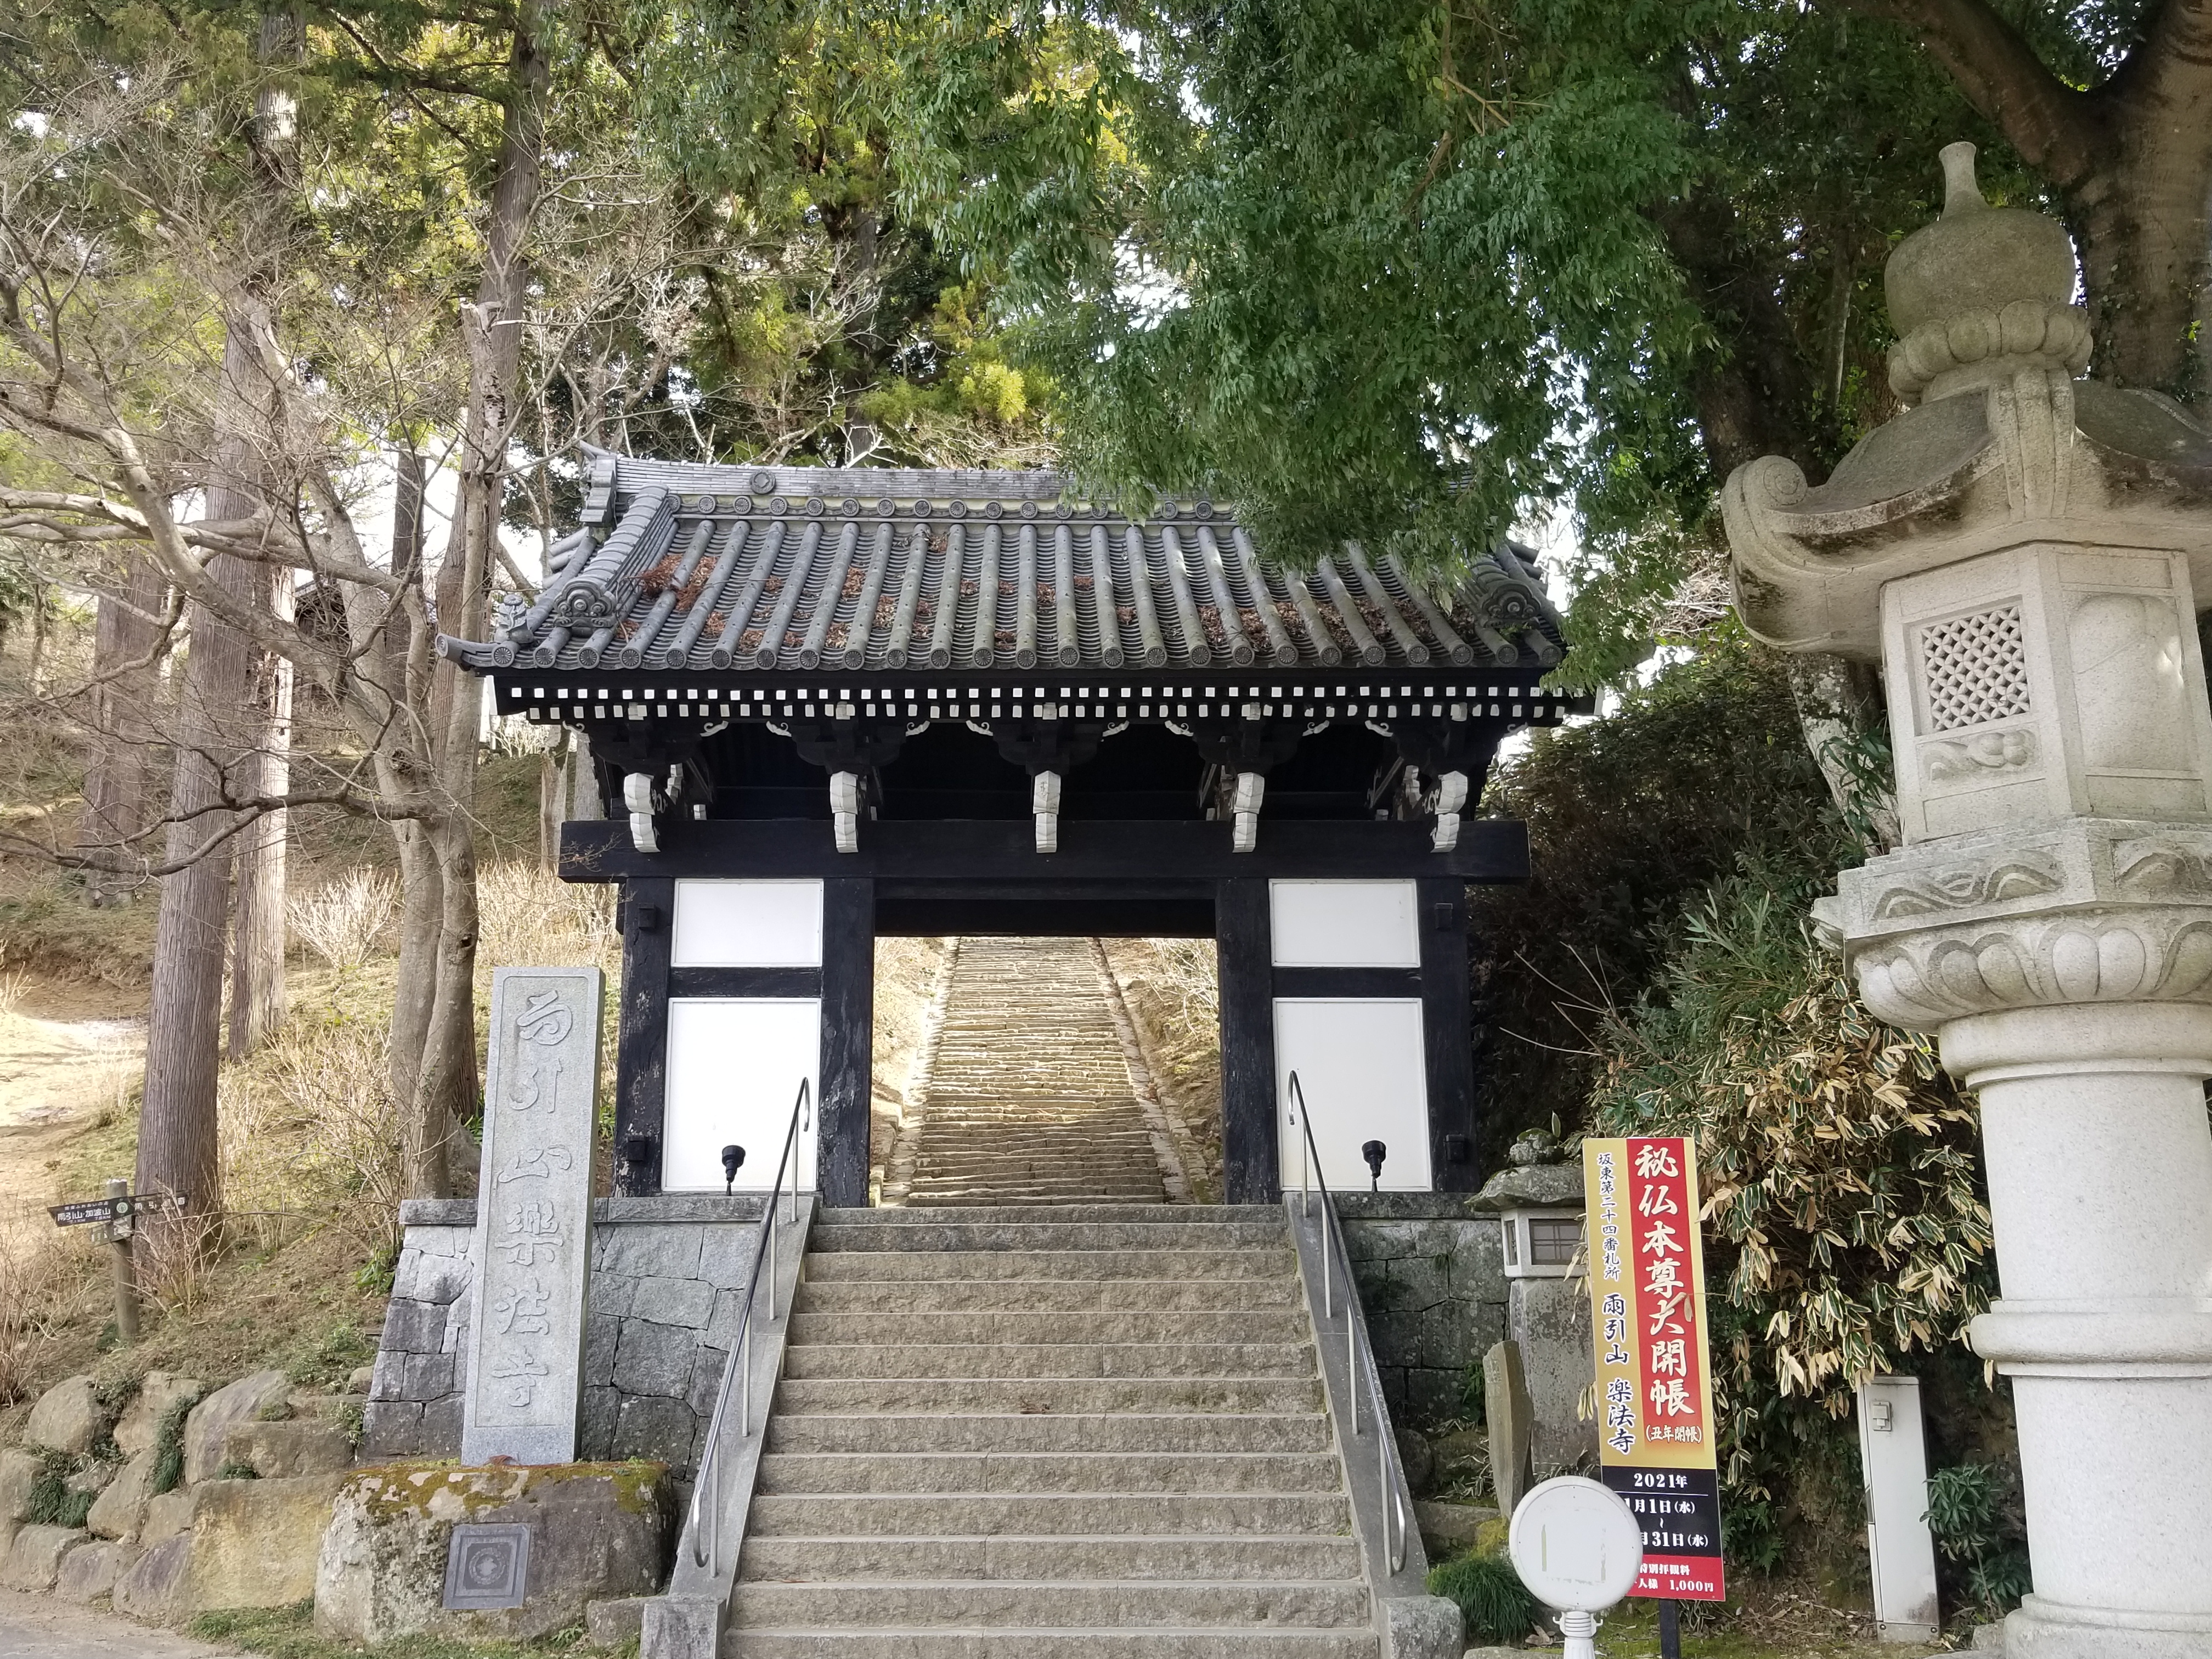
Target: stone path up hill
<point x="1090" y="1432"/>
<point x="1027" y="1096"/>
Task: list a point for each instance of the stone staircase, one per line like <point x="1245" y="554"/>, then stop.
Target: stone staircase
<point x="1027" y="1098"/>
<point x="1065" y="1433"/>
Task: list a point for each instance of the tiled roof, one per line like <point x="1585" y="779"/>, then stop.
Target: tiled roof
<point x="681" y="565"/>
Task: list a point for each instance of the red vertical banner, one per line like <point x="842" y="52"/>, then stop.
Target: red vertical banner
<point x="1653" y="1374"/>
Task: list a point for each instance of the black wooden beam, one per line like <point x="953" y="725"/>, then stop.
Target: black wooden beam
<point x="1251" y="1168"/>
<point x="1103" y="850"/>
<point x="745" y="982"/>
<point x="848" y="1003"/>
<point x="938" y="916"/>
<point x="648" y="907"/>
<point x="1448" y="1035"/>
<point x="1348" y="982"/>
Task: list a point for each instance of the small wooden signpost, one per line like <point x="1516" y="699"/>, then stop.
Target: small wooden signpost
<point x="118" y="1213"/>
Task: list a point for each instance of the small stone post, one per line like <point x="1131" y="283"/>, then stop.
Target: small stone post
<point x="1510" y="1415"/>
<point x="533" y="1237"/>
<point x="2021" y="551"/>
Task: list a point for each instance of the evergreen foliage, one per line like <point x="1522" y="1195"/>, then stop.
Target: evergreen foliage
<point x="1981" y="1533"/>
<point x="1394" y="270"/>
<point x="169" y="1449"/>
<point x="51" y="1501"/>
<point x="1491" y="1597"/>
<point x="1629" y="817"/>
<point x="1656" y="977"/>
<point x="1846" y="1230"/>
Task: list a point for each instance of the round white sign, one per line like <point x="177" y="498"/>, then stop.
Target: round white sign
<point x="1576" y="1544"/>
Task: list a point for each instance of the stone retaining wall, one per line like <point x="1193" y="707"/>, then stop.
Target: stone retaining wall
<point x="666" y="1276"/>
<point x="667" y="1272"/>
<point x="1431" y="1273"/>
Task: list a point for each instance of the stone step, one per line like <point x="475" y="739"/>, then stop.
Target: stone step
<point x="1039" y="1515"/>
<point x="1038" y="1179"/>
<point x="946" y="1473"/>
<point x="1083" y="1602"/>
<point x="909" y="1642"/>
<point x="985" y="1151"/>
<point x="1257" y="1557"/>
<point x="882" y="1296"/>
<point x="1122" y="1234"/>
<point x="1075" y="1396"/>
<point x="1055" y="1361"/>
<point x="996" y="1197"/>
<point x="895" y="1260"/>
<point x="1267" y="1214"/>
<point x="923" y="1325"/>
<point x="1044" y="1163"/>
<point x="891" y="1433"/>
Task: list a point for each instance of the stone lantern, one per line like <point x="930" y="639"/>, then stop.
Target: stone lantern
<point x="2021" y="552"/>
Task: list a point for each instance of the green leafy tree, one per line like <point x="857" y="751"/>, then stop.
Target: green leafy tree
<point x="1408" y="270"/>
<point x="1631" y="819"/>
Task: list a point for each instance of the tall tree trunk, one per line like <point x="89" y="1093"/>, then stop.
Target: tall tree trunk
<point x="2144" y="226"/>
<point x="257" y="951"/>
<point x="446" y="1081"/>
<point x="2131" y="158"/>
<point x="407" y="544"/>
<point x="1757" y="401"/>
<point x="552" y="801"/>
<point x="257" y="936"/>
<point x="177" y="1127"/>
<point x="117" y="776"/>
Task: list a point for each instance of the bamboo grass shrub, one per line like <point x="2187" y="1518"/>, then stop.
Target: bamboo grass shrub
<point x="1846" y="1229"/>
<point x="1631" y="819"/>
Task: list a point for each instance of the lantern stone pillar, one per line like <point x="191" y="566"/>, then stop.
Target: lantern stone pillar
<point x="2024" y="554"/>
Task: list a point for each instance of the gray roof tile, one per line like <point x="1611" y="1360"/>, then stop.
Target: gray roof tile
<point x="683" y="566"/>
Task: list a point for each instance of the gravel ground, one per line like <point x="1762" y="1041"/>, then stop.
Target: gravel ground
<point x="40" y="1627"/>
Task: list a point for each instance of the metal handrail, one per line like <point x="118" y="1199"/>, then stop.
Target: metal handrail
<point x="706" y="1534"/>
<point x="1334" y="1256"/>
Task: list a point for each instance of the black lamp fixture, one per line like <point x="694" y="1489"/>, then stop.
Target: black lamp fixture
<point x="1374" y="1152"/>
<point x="733" y="1159"/>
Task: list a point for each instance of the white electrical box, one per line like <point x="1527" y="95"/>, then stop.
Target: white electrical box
<point x="1893" y="1452"/>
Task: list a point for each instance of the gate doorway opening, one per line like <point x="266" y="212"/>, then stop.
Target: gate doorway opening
<point x="1022" y="1070"/>
<point x="826" y="707"/>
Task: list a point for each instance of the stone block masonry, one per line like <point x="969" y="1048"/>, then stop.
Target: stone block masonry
<point x="1431" y="1276"/>
<point x="667" y="1273"/>
<point x="1431" y="1273"/>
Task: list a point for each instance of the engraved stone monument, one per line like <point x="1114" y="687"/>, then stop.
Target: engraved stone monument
<point x="533" y="1237"/>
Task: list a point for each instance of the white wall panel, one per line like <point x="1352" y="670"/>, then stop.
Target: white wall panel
<point x="748" y="924"/>
<point x="1345" y="924"/>
<point x="734" y="1065"/>
<point x="1360" y="1065"/>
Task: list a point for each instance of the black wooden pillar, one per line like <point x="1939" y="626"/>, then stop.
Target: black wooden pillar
<point x="1447" y="1035"/>
<point x="648" y="910"/>
<point x="848" y="1015"/>
<point x="1251" y="1167"/>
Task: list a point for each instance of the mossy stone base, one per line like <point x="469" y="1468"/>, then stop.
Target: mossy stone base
<point x="598" y="1531"/>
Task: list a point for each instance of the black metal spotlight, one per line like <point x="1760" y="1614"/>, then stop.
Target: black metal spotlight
<point x="733" y="1159"/>
<point x="1375" y="1152"/>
